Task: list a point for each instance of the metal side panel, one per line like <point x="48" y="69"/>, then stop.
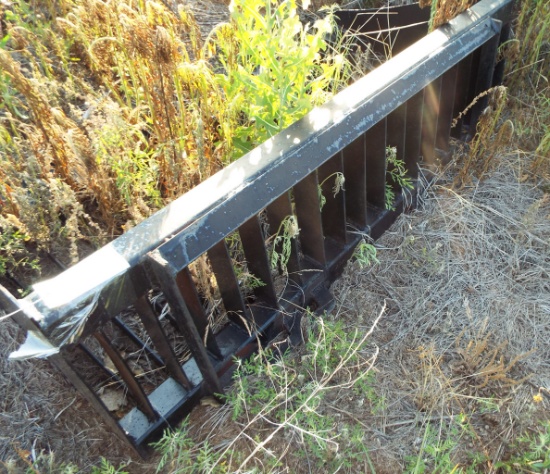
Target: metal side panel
<point x="184" y="230"/>
<point x="167" y="399"/>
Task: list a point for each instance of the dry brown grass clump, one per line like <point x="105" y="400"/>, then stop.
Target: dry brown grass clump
<point x="445" y="10"/>
<point x="466" y="279"/>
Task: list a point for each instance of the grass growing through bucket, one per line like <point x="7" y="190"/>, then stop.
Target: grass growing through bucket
<point x="288" y="399"/>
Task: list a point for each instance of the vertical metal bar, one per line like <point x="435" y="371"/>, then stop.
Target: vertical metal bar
<point x="498" y="75"/>
<point x="448" y="91"/>
<point x="396" y="130"/>
<point x="413" y="134"/>
<point x="333" y="213"/>
<point x="462" y="94"/>
<point x="487" y="61"/>
<point x="187" y="288"/>
<point x="277" y="212"/>
<point x="97" y="361"/>
<point x="154" y="330"/>
<point x="312" y="240"/>
<point x="127" y="376"/>
<point x="257" y="261"/>
<point x="72" y="375"/>
<point x="376" y="165"/>
<point x="471" y="91"/>
<point x="166" y="277"/>
<point x="429" y="122"/>
<point x="233" y="301"/>
<point x="355" y="172"/>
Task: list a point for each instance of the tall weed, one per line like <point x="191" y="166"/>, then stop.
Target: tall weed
<point x="529" y="73"/>
<point x="117" y="108"/>
<point x="275" y="76"/>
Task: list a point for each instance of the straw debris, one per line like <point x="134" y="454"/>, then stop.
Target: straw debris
<point x="466" y="281"/>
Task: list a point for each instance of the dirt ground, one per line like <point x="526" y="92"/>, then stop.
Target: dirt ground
<point x="42" y="415"/>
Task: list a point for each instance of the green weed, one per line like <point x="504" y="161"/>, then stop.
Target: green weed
<point x="273" y="77"/>
<point x="176" y="448"/>
<point x="106" y="467"/>
<point x="287" y="395"/>
<point x="13" y="251"/>
<point x="46" y="463"/>
<point x="396" y="177"/>
<point x="365" y="254"/>
<point x="438" y="446"/>
<point x="290" y="391"/>
<point x="281" y="248"/>
<point x="534" y="453"/>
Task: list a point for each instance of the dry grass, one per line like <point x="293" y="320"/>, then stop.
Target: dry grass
<point x="466" y="280"/>
<point x="445" y="10"/>
<point x="101" y="104"/>
<point x="41" y="417"/>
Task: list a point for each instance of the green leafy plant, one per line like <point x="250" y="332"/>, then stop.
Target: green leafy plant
<point x="13" y="251"/>
<point x="339" y="181"/>
<point x="275" y="69"/>
<point x="290" y="390"/>
<point x="281" y="248"/>
<point x="247" y="280"/>
<point x="124" y="107"/>
<point x="365" y="254"/>
<point x="106" y="467"/>
<point x="122" y="150"/>
<point x="438" y="446"/>
<point x="534" y="452"/>
<point x="287" y="395"/>
<point x="10" y="100"/>
<point x="396" y="177"/>
<point x="176" y="448"/>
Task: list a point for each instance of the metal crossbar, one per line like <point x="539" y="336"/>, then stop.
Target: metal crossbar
<point x="147" y="276"/>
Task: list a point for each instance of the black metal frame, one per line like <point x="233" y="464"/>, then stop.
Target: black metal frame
<point x="407" y="102"/>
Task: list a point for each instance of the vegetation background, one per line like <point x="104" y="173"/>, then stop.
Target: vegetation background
<point x="109" y="110"/>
